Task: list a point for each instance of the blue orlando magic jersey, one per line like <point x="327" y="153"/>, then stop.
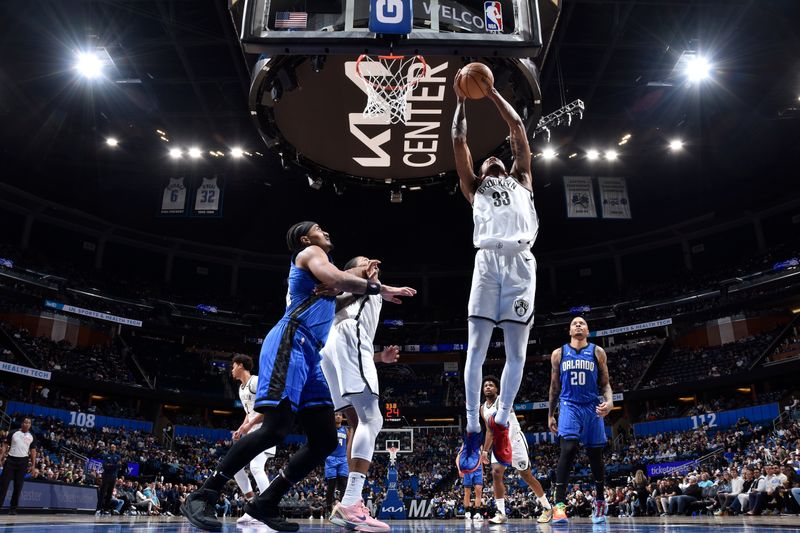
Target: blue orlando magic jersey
<point x="314" y="312"/>
<point x="579" y="375"/>
<point x="341" y="449"/>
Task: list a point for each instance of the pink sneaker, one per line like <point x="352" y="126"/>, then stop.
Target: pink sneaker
<point x="357" y="517"/>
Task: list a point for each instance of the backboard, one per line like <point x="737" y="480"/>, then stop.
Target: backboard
<point x="308" y="101"/>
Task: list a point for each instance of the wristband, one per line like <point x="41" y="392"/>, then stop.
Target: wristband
<point x="373" y="288"/>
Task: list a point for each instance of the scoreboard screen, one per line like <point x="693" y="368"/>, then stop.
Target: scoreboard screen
<point x="391" y="411"/>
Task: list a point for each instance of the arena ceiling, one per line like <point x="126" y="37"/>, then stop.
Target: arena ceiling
<point x="175" y="67"/>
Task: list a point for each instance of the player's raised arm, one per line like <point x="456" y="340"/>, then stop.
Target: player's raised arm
<point x="555" y="388"/>
<point x="518" y="138"/>
<point x="604" y="383"/>
<point x="314" y="259"/>
<point x="464" y="165"/>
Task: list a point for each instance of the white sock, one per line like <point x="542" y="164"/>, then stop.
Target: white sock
<point x="355" y="484"/>
<point x="500" y="503"/>
<point x="515" y="337"/>
<point x="543" y="500"/>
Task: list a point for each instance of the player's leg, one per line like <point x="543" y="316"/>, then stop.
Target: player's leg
<point x="479" y="336"/>
<point x="351" y="511"/>
<point x="477" y="513"/>
<point x="594" y="439"/>
<point x="484" y="299"/>
<point x="199" y="507"/>
<point x="569" y="450"/>
<point x="243" y="481"/>
<point x="320" y="429"/>
<point x="330" y="487"/>
<point x="515" y="337"/>
<point x="499" y="489"/>
<point x="352" y="422"/>
<point x="258" y="469"/>
<point x="467" y="499"/>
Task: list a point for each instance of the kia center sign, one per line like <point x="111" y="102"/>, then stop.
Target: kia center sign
<point x="319" y="124"/>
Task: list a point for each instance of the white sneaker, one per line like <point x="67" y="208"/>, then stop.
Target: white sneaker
<point x="498" y="518"/>
<point x="467" y="516"/>
<point x="245" y="520"/>
<point x="477" y="518"/>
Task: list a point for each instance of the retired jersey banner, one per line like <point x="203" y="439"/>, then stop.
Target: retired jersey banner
<point x="580" y="197"/>
<point x="173" y="201"/>
<point x="208" y="197"/>
<point x="614" y="198"/>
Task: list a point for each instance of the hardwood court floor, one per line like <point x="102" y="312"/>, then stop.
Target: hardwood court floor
<point x="91" y="524"/>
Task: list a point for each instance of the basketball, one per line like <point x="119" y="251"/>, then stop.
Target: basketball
<point x="476" y="81"/>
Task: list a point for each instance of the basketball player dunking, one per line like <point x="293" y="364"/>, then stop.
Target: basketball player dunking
<point x="519" y="454"/>
<point x="241" y="371"/>
<point x="504" y="278"/>
<point x="348" y="362"/>
<point x="580" y="387"/>
<point x="292" y="385"/>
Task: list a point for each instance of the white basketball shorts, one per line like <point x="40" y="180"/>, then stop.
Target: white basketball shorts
<point x="349" y="366"/>
<point x="503" y="287"/>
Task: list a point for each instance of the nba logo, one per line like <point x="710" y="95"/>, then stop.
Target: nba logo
<point x="494" y="16"/>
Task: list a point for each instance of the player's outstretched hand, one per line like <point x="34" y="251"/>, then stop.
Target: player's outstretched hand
<point x="603" y="409"/>
<point x="371" y="270"/>
<point x="553" y="425"/>
<point x="393" y="294"/>
<point x="390" y="355"/>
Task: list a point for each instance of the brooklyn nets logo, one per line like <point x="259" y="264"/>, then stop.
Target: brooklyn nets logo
<point x="521" y="307"/>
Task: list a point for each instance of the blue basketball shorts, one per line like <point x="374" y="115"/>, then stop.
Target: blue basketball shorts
<point x="580" y="422"/>
<point x="336" y="467"/>
<point x="474" y="478"/>
<point x="289" y="367"/>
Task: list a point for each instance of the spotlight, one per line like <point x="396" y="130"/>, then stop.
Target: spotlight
<point x="592" y="155"/>
<point x="175" y="153"/>
<point x="611" y="155"/>
<point x="698" y="69"/>
<point x="236" y="152"/>
<point x="112" y="142"/>
<point x="314" y="183"/>
<point x="195" y="152"/>
<point x="675" y="145"/>
<point x="89" y="65"/>
<point x="573" y="155"/>
<point x="548" y="153"/>
<point x="396" y="196"/>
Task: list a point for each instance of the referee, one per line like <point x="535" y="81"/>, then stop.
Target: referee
<point x="19" y="446"/>
<point x="111" y="465"/>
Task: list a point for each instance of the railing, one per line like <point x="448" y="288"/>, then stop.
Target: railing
<point x="697" y="462"/>
<point x="17" y="350"/>
<point x="75" y="455"/>
<point x="770" y="349"/>
<point x="5" y="421"/>
<point x="618" y="442"/>
<point x="664" y="345"/>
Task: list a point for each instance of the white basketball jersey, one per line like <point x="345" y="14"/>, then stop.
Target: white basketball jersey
<point x="207" y="197"/>
<point x="504" y="215"/>
<point x="247" y="394"/>
<point x="513" y="423"/>
<point x="366" y="311"/>
<point x="174" y="199"/>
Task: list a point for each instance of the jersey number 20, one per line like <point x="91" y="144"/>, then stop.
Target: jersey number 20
<point x="577" y="378"/>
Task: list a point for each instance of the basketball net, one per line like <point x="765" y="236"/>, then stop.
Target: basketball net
<point x="392" y="455"/>
<point x="387" y="81"/>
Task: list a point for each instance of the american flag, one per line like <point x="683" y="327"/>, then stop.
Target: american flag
<point x="291" y="19"/>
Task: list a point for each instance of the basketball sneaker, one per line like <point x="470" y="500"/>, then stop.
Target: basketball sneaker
<point x="501" y="444"/>
<point x="477" y="518"/>
<point x="467" y="516"/>
<point x="546" y="516"/>
<point x="357" y="517"/>
<point x="498" y="518"/>
<point x="599" y="514"/>
<point x="269" y="516"/>
<point x="246" y="520"/>
<point x="468" y="459"/>
<point x="560" y="514"/>
<point x="199" y="510"/>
